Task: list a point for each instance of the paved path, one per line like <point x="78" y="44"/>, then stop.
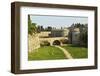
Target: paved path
<point x="67" y="54"/>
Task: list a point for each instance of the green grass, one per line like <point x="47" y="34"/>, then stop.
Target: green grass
<point x="46" y="53"/>
<point x="77" y="51"/>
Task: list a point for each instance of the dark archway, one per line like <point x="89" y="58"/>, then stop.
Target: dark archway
<point x="56" y="42"/>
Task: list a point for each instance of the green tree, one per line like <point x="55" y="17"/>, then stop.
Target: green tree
<point x="85" y="38"/>
<point x="49" y="28"/>
<point x="31" y="26"/>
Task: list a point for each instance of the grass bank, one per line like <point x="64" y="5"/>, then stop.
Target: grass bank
<point x="46" y="53"/>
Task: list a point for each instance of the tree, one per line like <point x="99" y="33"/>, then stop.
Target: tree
<point x="49" y="28"/>
<point x="85" y="38"/>
<point x="42" y="29"/>
<point x="38" y="29"/>
<point x="31" y="26"/>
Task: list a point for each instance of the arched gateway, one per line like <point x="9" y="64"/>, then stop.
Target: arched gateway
<point x="56" y="42"/>
<point x="53" y="40"/>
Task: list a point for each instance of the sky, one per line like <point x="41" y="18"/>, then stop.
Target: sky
<point x="57" y="21"/>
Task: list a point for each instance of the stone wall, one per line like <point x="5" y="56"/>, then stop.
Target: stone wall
<point x="33" y="42"/>
<point x="44" y="34"/>
<point x="52" y="39"/>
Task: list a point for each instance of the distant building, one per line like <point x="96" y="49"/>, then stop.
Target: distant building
<point x="76" y="36"/>
<point x="56" y="33"/>
<point x="59" y="33"/>
<point x="65" y="32"/>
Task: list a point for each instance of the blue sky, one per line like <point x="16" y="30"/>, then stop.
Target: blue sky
<point x="57" y="21"/>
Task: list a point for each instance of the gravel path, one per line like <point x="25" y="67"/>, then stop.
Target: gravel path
<point x="67" y="54"/>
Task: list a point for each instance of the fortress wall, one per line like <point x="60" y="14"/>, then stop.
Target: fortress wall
<point x="33" y="42"/>
<point x="44" y="34"/>
<point x="51" y="40"/>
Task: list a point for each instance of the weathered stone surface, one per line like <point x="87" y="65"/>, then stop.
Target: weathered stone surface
<point x="33" y="42"/>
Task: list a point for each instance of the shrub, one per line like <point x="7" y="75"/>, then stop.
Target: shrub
<point x="44" y="43"/>
<point x="64" y="41"/>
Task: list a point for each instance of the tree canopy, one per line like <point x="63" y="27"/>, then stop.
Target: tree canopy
<point x="31" y="26"/>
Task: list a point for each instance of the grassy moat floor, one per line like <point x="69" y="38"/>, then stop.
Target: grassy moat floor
<point x="53" y="53"/>
<point x="46" y="53"/>
<point x="77" y="51"/>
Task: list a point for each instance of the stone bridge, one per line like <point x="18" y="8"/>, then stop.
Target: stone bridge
<point x="52" y="40"/>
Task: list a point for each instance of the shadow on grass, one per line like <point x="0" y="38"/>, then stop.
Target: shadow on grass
<point x="77" y="45"/>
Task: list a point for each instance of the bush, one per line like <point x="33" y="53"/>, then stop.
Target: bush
<point x="64" y="41"/>
<point x="45" y="43"/>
